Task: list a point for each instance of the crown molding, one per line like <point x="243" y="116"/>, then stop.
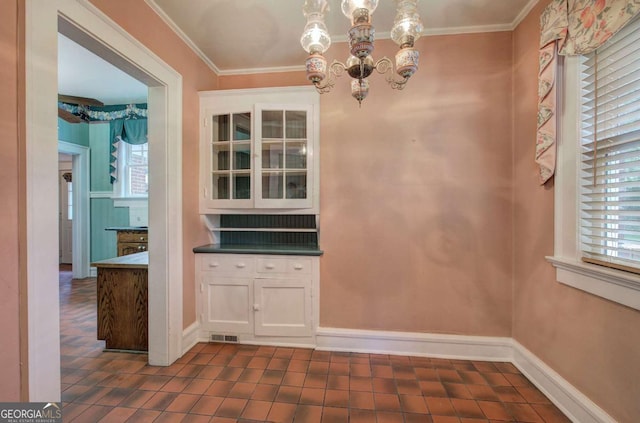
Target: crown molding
<point x="523" y="13"/>
<point x="250" y="71"/>
<point x="171" y="24"/>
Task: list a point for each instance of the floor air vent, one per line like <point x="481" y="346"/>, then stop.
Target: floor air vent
<point x="223" y="338"/>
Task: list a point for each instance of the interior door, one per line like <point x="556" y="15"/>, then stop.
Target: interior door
<point x="66" y="215"/>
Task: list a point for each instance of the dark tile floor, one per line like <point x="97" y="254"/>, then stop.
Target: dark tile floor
<point x="239" y="383"/>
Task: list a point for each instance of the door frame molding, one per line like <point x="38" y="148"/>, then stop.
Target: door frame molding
<point x="87" y="25"/>
<point x="81" y="222"/>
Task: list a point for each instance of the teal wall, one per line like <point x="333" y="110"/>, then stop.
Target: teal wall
<point x="100" y="150"/>
<point x="75" y="133"/>
<point x="103" y="214"/>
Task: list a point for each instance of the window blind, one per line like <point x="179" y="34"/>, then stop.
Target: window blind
<point x="610" y="154"/>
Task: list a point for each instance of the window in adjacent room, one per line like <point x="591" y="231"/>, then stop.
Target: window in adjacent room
<point x="133" y="169"/>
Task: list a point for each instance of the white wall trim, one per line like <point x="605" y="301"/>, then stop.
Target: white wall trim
<point x="573" y="403"/>
<point x="336" y="39"/>
<point x="97" y="32"/>
<point x="523" y="13"/>
<point x="184" y="37"/>
<point x="422" y="344"/>
<point x="81" y="223"/>
<point x="191" y="336"/>
<point x="101" y="194"/>
<point x="614" y="285"/>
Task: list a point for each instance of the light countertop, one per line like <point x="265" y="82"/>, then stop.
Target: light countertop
<point x="131" y="261"/>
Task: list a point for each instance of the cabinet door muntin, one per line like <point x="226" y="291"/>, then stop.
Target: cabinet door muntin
<point x="284" y="148"/>
<point x="231" y="149"/>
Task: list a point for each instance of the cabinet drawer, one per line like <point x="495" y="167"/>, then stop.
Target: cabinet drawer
<point x="133" y="236"/>
<point x="272" y="265"/>
<point x="299" y="266"/>
<point x="126" y="248"/>
<point x="296" y="266"/>
<point x="228" y="265"/>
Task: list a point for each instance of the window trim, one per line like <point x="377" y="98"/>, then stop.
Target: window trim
<point x="615" y="285"/>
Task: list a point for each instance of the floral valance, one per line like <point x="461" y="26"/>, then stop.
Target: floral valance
<point x="106" y="113"/>
<point x="127" y="123"/>
<point x="570" y="27"/>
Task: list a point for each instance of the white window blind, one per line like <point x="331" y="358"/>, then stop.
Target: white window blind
<point x="610" y="156"/>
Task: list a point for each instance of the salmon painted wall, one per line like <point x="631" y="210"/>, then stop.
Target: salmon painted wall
<point x="10" y="383"/>
<point x="591" y="342"/>
<point x="196" y="76"/>
<point x="416" y="192"/>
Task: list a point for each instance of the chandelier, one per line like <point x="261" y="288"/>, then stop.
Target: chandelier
<point x="407" y="28"/>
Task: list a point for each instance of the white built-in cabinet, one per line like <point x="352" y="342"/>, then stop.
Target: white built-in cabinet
<point x="258" y="298"/>
<point x="259" y="158"/>
<point x="259" y="151"/>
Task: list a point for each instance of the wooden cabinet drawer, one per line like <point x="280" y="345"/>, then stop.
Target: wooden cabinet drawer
<point x="126" y="248"/>
<point x="228" y="265"/>
<point x="134" y="236"/>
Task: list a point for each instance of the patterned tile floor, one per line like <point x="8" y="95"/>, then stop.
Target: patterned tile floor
<point x="237" y="383"/>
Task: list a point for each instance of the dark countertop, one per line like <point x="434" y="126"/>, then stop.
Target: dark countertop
<point x="127" y="228"/>
<point x="287" y="250"/>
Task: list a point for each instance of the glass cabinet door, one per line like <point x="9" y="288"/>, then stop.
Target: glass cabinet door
<point x="231" y="156"/>
<point x="284" y="148"/>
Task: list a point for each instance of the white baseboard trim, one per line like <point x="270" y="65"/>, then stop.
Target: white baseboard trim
<point x="191" y="336"/>
<point x="573" y="403"/>
<point x="485" y="348"/>
<point x="93" y="272"/>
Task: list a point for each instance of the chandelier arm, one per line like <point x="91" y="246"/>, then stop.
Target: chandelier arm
<point x="335" y="70"/>
<point x="384" y="67"/>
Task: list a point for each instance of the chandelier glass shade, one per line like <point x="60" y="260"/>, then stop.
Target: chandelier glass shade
<point x="407" y="28"/>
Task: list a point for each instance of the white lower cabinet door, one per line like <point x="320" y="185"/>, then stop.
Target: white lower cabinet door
<point x="229" y="304"/>
<point x="282" y="307"/>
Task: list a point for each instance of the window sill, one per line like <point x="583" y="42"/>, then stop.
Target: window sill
<point x="130" y="201"/>
<point x="614" y="285"/>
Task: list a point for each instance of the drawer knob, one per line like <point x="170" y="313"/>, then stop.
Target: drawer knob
<point x="270" y="266"/>
<point x="298" y="266"/>
<point x="241" y="265"/>
<point x="256" y="307"/>
<point x="141" y="238"/>
<point x="214" y="264"/>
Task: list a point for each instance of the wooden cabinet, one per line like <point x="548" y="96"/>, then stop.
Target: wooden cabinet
<point x="132" y="241"/>
<point x="267" y="298"/>
<point x="122" y="302"/>
<point x="259" y="150"/>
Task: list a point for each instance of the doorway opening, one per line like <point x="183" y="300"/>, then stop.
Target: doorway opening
<point x="80" y="229"/>
<point x="85" y="24"/>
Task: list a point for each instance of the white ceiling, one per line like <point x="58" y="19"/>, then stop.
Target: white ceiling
<point x="83" y="74"/>
<point x="249" y="36"/>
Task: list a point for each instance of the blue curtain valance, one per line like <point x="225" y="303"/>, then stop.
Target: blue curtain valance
<point x="131" y="131"/>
